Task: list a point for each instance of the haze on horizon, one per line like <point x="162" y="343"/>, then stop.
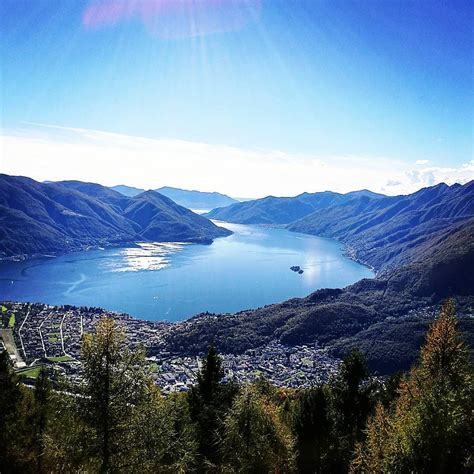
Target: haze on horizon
<point x="247" y="98"/>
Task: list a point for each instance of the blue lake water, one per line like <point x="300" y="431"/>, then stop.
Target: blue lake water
<point x="172" y="282"/>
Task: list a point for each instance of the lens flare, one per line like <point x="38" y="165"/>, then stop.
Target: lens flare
<point x="174" y="18"/>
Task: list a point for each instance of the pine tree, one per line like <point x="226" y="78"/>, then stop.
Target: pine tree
<point x="312" y="426"/>
<point x="68" y="439"/>
<point x="164" y="437"/>
<point x="42" y="394"/>
<point x="115" y="382"/>
<point x="182" y="452"/>
<point x="351" y="403"/>
<point x="256" y="440"/>
<point x="10" y="398"/>
<point x="431" y="426"/>
<point x="371" y="457"/>
<point x="208" y="402"/>
<point x="210" y="375"/>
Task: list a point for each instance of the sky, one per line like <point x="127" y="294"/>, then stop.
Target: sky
<point x="245" y="97"/>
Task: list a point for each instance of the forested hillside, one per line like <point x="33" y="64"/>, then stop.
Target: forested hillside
<point x="386" y="317"/>
<point x="116" y="419"/>
<point x="39" y="218"/>
<point x="283" y="210"/>
<point x="395" y="230"/>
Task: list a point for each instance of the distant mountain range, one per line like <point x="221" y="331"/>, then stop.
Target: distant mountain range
<point x="129" y="191"/>
<point x="50" y="218"/>
<point x="390" y="231"/>
<point x="423" y="246"/>
<point x="380" y="231"/>
<point x="283" y="210"/>
<point x="191" y="199"/>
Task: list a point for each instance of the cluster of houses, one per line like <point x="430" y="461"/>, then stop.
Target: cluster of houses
<point x="298" y="366"/>
<point x="52" y="335"/>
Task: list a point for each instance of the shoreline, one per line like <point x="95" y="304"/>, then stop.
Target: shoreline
<point x="351" y="253"/>
<point x="345" y="252"/>
<point x="101" y="246"/>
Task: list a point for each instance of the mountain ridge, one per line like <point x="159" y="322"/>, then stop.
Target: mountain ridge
<point x="282" y="210"/>
<point x="192" y="199"/>
<point x="423" y="247"/>
<point x="367" y="223"/>
<point x="386" y="232"/>
<point x="50" y="218"/>
<point x="386" y="317"/>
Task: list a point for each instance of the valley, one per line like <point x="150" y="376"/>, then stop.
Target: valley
<point x="174" y="281"/>
<point x="421" y="247"/>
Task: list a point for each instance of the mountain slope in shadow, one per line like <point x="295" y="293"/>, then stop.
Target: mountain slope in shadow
<point x="283" y="210"/>
<point x="386" y="317"/>
<point x="44" y="218"/>
<point x="392" y="231"/>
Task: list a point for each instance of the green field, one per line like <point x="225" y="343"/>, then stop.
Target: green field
<point x="60" y="359"/>
<point x="11" y="321"/>
<point x="33" y="372"/>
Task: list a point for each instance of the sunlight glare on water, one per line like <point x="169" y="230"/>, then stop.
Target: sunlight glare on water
<point x="174" y="281"/>
<point x="150" y="256"/>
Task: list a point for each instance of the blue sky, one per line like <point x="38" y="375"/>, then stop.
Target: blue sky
<point x="331" y="82"/>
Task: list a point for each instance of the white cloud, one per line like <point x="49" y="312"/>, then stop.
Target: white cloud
<point x="422" y="162"/>
<point x="430" y="176"/>
<point x="55" y="153"/>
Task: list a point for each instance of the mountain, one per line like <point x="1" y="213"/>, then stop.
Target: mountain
<point x="196" y="199"/>
<point x="389" y="231"/>
<point x="283" y="210"/>
<point x="129" y="191"/>
<point x="386" y="317"/>
<point x="423" y="245"/>
<point x="183" y="197"/>
<point x="380" y="231"/>
<point x="44" y="218"/>
<point x="161" y="219"/>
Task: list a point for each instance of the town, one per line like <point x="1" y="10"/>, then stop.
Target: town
<point x="38" y="334"/>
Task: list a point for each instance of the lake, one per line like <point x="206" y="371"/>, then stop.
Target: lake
<point x="248" y="269"/>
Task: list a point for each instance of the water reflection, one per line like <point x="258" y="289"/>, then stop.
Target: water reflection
<point x="146" y="256"/>
<point x="176" y="280"/>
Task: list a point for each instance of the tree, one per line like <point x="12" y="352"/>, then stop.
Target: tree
<point x="10" y="398"/>
<point x="210" y="375"/>
<point x="182" y="451"/>
<point x="164" y="437"/>
<point x="67" y="438"/>
<point x="351" y="403"/>
<point x="256" y="440"/>
<point x="115" y="382"/>
<point x="41" y="415"/>
<point x="371" y="458"/>
<point x="209" y="400"/>
<point x="431" y="426"/>
<point x="312" y="426"/>
<point x="349" y="396"/>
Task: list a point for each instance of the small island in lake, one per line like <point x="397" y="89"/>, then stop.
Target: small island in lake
<point x="297" y="269"/>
